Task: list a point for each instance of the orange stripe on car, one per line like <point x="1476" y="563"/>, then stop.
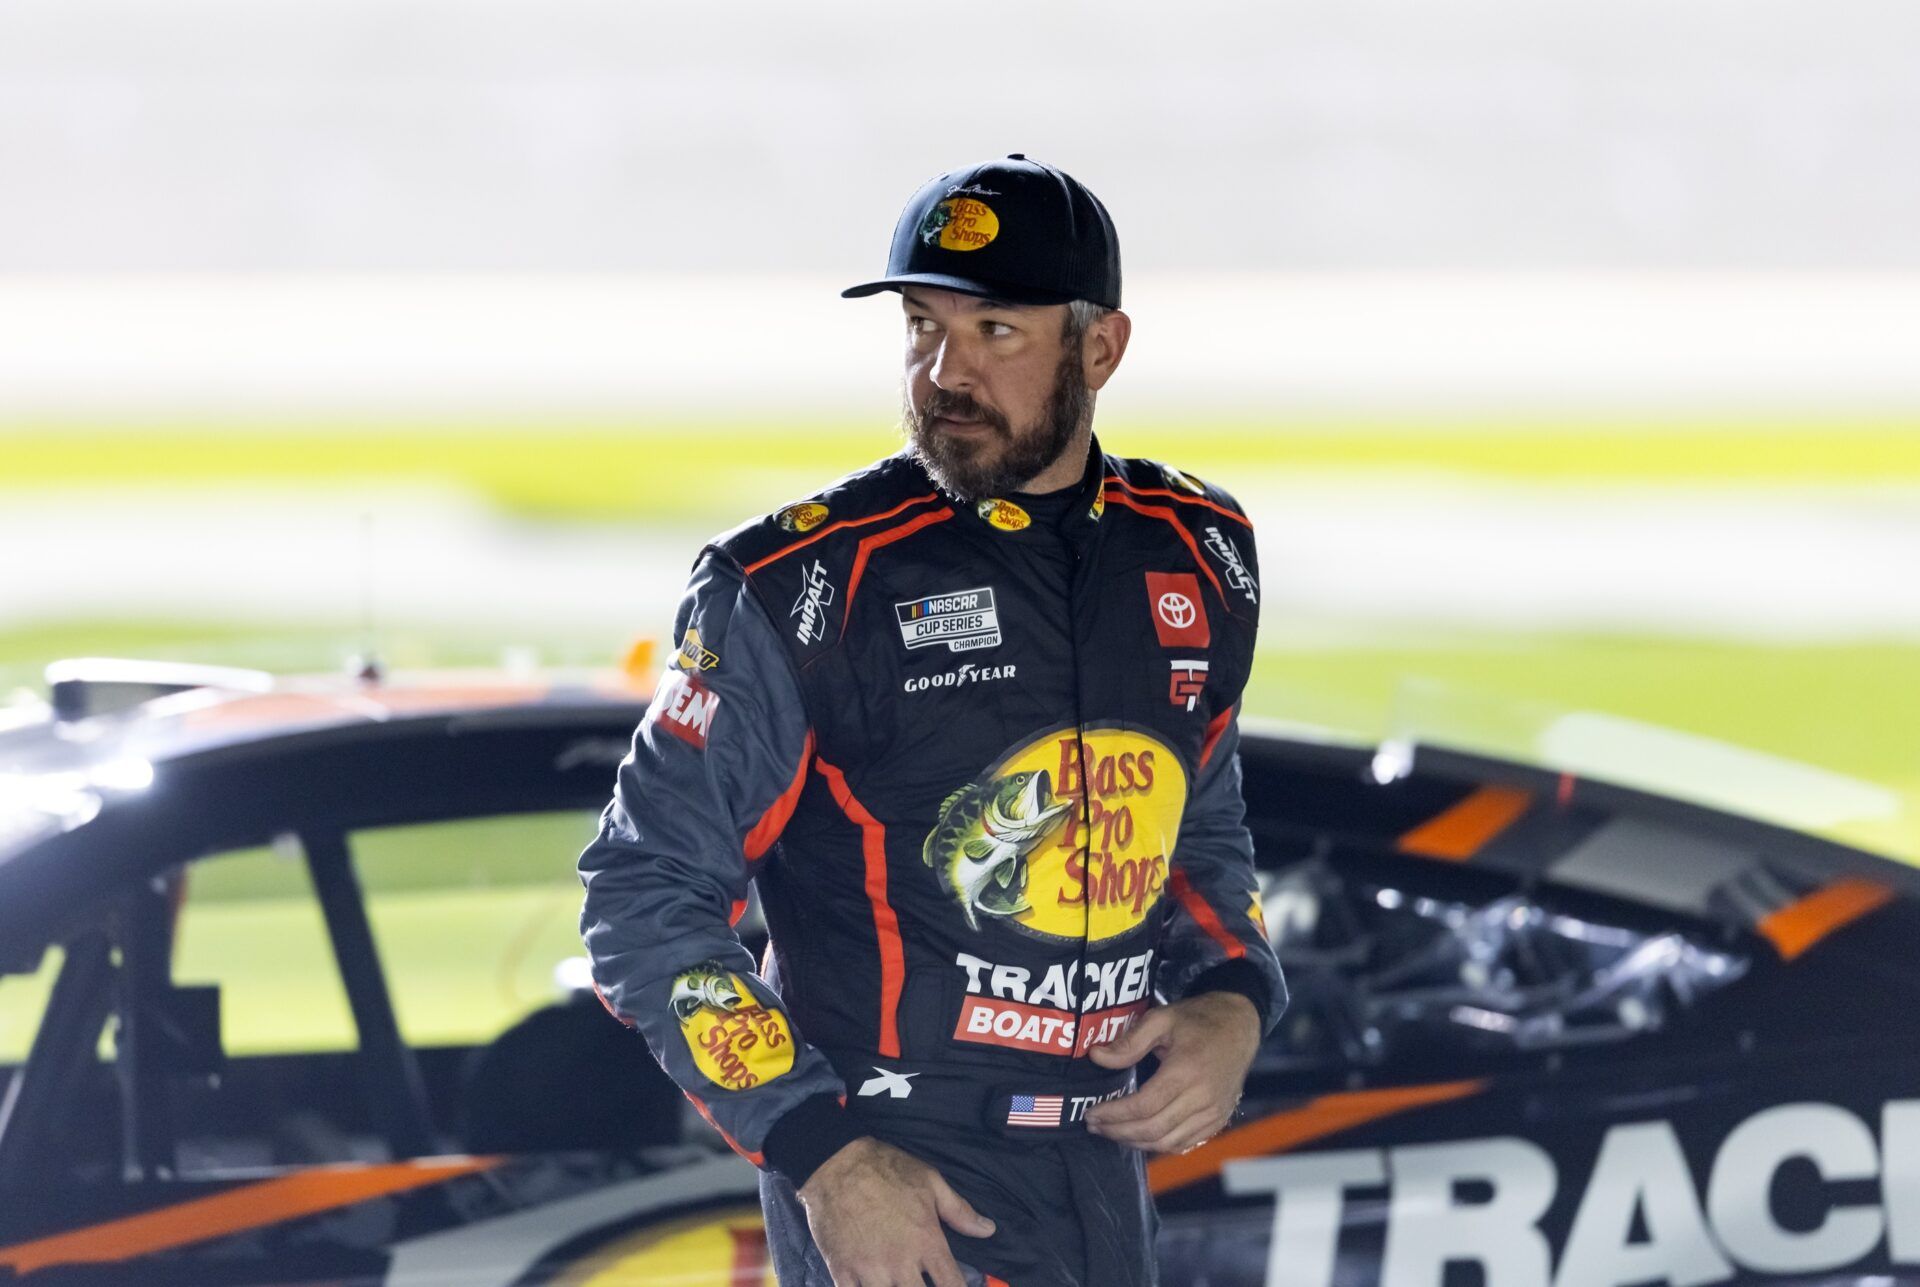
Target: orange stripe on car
<point x="1463" y="830"/>
<point x="886" y="925"/>
<point x="834" y="527"/>
<point x="1183" y="498"/>
<point x="1316" y="1119"/>
<point x="1198" y="908"/>
<point x="1802" y="923"/>
<point x="250" y="1206"/>
<point x="775" y="819"/>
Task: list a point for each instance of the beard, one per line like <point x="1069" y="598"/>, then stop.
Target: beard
<point x="1001" y="460"/>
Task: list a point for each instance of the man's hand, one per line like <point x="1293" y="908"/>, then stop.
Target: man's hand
<point x="875" y="1213"/>
<point x="1205" y="1045"/>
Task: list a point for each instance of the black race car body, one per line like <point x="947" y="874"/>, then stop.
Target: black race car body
<point x="1544" y="1030"/>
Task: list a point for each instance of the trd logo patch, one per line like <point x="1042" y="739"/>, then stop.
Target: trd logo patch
<point x="684" y="707"/>
<point x="1188" y="682"/>
<point x="1179" y="615"/>
<point x="1232" y="564"/>
<point x="961" y="619"/>
<point x="810" y="607"/>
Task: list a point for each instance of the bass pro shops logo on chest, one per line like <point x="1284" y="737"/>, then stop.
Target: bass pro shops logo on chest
<point x="1067" y="838"/>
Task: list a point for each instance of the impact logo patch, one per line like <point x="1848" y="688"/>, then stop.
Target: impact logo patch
<point x="960" y="223"/>
<point x="810" y="608"/>
<point x="735" y="1041"/>
<point x="1179" y="616"/>
<point x="961" y="619"/>
<point x="803" y="517"/>
<point x="1232" y="564"/>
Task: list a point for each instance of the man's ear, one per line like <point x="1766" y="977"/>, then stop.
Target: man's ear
<point x="1103" y="345"/>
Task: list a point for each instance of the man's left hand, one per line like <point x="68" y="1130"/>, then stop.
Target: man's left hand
<point x="1205" y="1045"/>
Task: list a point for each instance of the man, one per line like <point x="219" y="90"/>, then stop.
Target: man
<point x="968" y="719"/>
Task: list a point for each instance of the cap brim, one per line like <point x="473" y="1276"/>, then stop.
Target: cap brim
<point x="964" y="285"/>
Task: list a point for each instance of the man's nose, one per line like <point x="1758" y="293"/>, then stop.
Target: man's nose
<point x="953" y="366"/>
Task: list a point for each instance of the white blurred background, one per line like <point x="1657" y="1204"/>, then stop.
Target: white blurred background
<point x="1564" y="352"/>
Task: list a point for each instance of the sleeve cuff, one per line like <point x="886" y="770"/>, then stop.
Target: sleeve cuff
<point x="807" y="1135"/>
<point x="1240" y="976"/>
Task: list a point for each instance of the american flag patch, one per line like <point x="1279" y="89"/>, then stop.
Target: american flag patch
<point x="1035" y="1110"/>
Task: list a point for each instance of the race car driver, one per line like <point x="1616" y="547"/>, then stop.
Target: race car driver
<point x="967" y="718"/>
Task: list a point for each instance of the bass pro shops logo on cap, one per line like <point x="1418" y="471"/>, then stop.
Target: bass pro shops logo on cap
<point x="960" y="223"/>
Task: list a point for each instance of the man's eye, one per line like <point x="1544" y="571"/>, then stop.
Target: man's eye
<point x="919" y="325"/>
<point x="997" y="328"/>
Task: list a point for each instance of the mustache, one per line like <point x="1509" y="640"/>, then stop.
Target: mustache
<point x="961" y="406"/>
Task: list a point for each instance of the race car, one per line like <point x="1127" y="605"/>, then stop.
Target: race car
<point x="290" y="993"/>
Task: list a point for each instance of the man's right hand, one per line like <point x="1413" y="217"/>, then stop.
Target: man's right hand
<point x="875" y="1213"/>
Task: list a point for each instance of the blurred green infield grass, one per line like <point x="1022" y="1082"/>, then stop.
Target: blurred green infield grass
<point x="476" y="957"/>
<point x="1852" y="707"/>
<point x="667" y="471"/>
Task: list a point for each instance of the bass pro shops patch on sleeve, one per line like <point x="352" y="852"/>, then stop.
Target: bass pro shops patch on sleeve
<point x="736" y="1042"/>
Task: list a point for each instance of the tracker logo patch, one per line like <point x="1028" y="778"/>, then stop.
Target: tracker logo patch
<point x="1232" y="564"/>
<point x="961" y="619"/>
<point x="810" y="607"/>
<point x="1179" y="614"/>
<point x="1066" y="1008"/>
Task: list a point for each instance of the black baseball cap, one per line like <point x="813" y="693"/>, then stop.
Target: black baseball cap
<point x="1012" y="229"/>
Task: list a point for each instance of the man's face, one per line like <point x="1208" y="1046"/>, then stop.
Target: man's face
<point x="994" y="392"/>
